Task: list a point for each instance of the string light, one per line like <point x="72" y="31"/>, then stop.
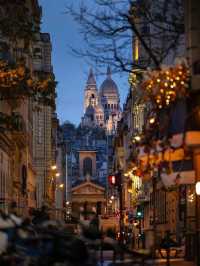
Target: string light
<point x="160" y="84"/>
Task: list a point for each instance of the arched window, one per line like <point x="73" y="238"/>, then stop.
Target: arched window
<point x="87" y="166"/>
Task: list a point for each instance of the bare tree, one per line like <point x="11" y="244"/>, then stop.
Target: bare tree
<point x="114" y="31"/>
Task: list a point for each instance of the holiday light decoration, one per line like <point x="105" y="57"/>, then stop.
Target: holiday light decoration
<point x="162" y="87"/>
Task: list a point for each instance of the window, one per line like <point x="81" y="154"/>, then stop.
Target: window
<point x="24" y="180"/>
<point x="87" y="166"/>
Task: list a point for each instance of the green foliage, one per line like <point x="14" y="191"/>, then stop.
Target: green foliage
<point x="16" y="20"/>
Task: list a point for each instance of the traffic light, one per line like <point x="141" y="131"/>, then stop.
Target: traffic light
<point x="139" y="213"/>
<point x="112" y="180"/>
<point x="115" y="180"/>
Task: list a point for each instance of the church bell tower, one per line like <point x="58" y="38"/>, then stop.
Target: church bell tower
<point x="91" y="93"/>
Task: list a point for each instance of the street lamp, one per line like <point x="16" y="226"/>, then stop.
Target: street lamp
<point x="152" y="120"/>
<point x="137" y="138"/>
<point x="61" y="186"/>
<point x="53" y="167"/>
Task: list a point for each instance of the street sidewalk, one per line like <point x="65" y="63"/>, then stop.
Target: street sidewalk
<point x="108" y="256"/>
<point x="127" y="262"/>
<point x="175" y="262"/>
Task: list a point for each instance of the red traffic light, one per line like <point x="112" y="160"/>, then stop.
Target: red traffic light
<point x="112" y="180"/>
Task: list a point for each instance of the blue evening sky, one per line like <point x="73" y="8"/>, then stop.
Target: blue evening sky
<point x="71" y="72"/>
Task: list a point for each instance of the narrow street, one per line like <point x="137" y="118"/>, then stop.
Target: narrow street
<point x="99" y="132"/>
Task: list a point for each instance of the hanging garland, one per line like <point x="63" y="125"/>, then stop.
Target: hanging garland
<point x="160" y="88"/>
<point x="163" y="87"/>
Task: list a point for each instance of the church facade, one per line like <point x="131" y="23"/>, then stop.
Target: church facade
<point x="101" y="106"/>
<point x="89" y="147"/>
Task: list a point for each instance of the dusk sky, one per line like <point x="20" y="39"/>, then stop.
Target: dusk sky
<point x="71" y="72"/>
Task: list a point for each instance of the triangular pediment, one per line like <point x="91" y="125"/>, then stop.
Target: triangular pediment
<point x="88" y="188"/>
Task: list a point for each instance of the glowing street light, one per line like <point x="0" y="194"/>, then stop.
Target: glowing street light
<point x="57" y="174"/>
<point x="53" y="167"/>
<point x="112" y="197"/>
<point x="61" y="186"/>
<point x="137" y="138"/>
<point x="152" y="120"/>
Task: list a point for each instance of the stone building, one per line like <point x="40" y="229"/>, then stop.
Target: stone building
<point x="28" y="123"/>
<point x="166" y="200"/>
<point x="44" y="125"/>
<point x="17" y="174"/>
